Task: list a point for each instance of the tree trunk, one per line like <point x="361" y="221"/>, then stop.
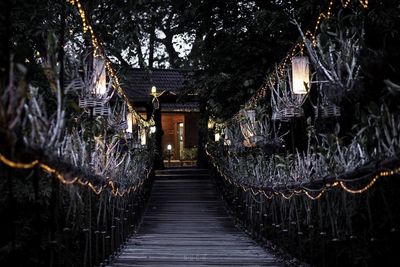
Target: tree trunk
<point x="152" y="41"/>
<point x="139" y="53"/>
<point x="173" y="55"/>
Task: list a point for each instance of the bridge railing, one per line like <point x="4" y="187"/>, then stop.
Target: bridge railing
<point x="49" y="219"/>
<point x="310" y="164"/>
<point x="73" y="179"/>
<point x="335" y="228"/>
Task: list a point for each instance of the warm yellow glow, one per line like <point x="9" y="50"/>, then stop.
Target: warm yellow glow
<point x="153" y="90"/>
<point x="300" y="75"/>
<point x="131" y="121"/>
<point x="210" y="124"/>
<point x="301" y="190"/>
<point x="18" y="165"/>
<point x="115" y="191"/>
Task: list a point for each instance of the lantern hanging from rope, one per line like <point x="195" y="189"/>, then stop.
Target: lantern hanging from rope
<point x="99" y="77"/>
<point x="247" y="125"/>
<point x="217" y="136"/>
<point x="142" y="136"/>
<point x="300" y="75"/>
<point x="210" y="124"/>
<point x="153" y="90"/>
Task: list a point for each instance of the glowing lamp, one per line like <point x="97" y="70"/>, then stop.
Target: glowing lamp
<point x="217" y="136"/>
<point x="169" y="147"/>
<point x="153" y="129"/>
<point x="143" y="137"/>
<point x="99" y="77"/>
<point x="153" y="90"/>
<point x="300" y="75"/>
<point x="131" y="121"/>
<point x="210" y="124"/>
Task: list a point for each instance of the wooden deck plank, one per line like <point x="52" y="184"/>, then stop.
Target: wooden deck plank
<point x="185" y="224"/>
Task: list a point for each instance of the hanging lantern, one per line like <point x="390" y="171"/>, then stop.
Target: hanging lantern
<point x="131" y="121"/>
<point x="99" y="77"/>
<point x="210" y="124"/>
<point x="143" y="136"/>
<point x="300" y="75"/>
<point x="247" y="126"/>
<point x="217" y="136"/>
<point x="153" y="90"/>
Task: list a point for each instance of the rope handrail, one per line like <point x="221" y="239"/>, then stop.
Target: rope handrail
<point x="77" y="180"/>
<point x="383" y="168"/>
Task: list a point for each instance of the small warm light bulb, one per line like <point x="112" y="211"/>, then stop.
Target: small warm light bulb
<point x="169" y="147"/>
<point x="153" y="90"/>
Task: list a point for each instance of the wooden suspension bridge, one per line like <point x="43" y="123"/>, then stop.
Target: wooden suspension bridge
<point x="186" y="224"/>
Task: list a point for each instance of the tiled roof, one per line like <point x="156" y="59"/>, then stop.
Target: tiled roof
<point x="175" y="107"/>
<point x="138" y="82"/>
<point x="180" y="107"/>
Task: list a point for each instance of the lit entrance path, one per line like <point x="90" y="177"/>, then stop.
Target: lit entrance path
<point x="185" y="224"/>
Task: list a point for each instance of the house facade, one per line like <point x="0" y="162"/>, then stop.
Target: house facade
<point x="178" y="119"/>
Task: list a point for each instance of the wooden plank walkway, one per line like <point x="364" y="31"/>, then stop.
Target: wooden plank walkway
<point x="185" y="224"/>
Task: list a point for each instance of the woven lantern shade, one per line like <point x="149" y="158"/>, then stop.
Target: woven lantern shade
<point x="99" y="77"/>
<point x="251" y="115"/>
<point x="300" y="75"/>
<point x="247" y="125"/>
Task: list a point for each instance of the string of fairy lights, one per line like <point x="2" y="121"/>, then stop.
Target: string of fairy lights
<point x="296" y="49"/>
<point x="289" y="193"/>
<point x="115" y="190"/>
<point x="99" y="51"/>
